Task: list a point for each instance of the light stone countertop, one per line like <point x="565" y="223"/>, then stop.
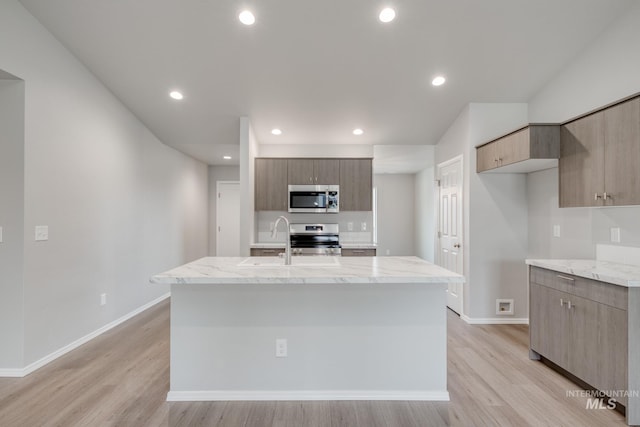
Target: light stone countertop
<point x="604" y="271"/>
<point x="347" y="245"/>
<point x="307" y="270"/>
<point x="267" y="245"/>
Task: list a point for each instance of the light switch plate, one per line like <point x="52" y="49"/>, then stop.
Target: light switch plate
<point x="281" y="347"/>
<point x="615" y="234"/>
<point x="556" y="230"/>
<point x="42" y="233"/>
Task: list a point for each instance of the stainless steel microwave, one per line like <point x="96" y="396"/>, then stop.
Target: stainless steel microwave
<point x="314" y="198"/>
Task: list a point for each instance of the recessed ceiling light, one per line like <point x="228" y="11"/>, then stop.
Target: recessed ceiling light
<point x="387" y="15"/>
<point x="276" y="131"/>
<point x="438" y="81"/>
<point x="246" y="17"/>
<point x="358" y="131"/>
<point x="176" y="95"/>
<point x="227" y="157"/>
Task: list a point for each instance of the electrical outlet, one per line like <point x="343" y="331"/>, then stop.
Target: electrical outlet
<point x="42" y="233"/>
<point x="349" y="226"/>
<point x="556" y="231"/>
<point x="615" y="234"/>
<point x="504" y="307"/>
<point x="0" y="234"/>
<point x="388" y="252"/>
<point x="281" y="347"/>
<point x="363" y="226"/>
<point x="103" y="299"/>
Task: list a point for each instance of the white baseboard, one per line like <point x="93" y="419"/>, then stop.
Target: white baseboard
<point x="227" y="395"/>
<point x="77" y="343"/>
<point x="495" y="320"/>
<point x="11" y="373"/>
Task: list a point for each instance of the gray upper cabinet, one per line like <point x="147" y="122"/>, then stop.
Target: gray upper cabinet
<point x="581" y="161"/>
<point x="622" y="154"/>
<point x="271" y="185"/>
<point x="534" y="147"/>
<point x="356" y="185"/>
<point x="600" y="158"/>
<point x="313" y="171"/>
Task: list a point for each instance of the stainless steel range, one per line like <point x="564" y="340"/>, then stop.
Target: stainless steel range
<point x="315" y="239"/>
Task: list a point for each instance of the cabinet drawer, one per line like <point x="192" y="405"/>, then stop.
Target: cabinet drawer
<point x="358" y="252"/>
<point x="266" y="251"/>
<point x="604" y="293"/>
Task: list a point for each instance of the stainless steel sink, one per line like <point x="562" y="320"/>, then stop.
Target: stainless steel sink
<point x="296" y="261"/>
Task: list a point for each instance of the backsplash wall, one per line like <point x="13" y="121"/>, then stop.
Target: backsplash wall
<point x="266" y="218"/>
<point x="580" y="228"/>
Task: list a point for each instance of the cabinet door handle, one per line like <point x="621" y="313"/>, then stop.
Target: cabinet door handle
<point x="606" y="196"/>
<point x="561" y="302"/>
<point x="268" y="251"/>
<point x="569" y="305"/>
<point x="571" y="279"/>
<point x="596" y="197"/>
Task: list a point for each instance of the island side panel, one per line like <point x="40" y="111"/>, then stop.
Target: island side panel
<point x="355" y="341"/>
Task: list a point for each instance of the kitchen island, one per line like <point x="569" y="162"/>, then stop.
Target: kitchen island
<point x="323" y="328"/>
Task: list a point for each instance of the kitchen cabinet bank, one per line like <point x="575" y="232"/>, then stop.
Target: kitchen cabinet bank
<point x="534" y="147"/>
<point x="368" y="328"/>
<point x="589" y="328"/>
<point x="600" y="158"/>
<point x="274" y="175"/>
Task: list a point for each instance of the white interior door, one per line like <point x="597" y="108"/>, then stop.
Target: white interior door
<point x="228" y="218"/>
<point x="450" y="226"/>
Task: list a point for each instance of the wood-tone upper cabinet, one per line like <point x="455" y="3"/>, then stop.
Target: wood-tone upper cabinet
<point x="582" y="161"/>
<point x="486" y="157"/>
<point x="271" y="185"/>
<point x="622" y="154"/>
<point x="525" y="150"/>
<point x="313" y="171"/>
<point x="356" y="185"/>
<point x="600" y="158"/>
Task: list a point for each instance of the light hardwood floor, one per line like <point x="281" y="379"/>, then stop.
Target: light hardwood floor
<point x="121" y="379"/>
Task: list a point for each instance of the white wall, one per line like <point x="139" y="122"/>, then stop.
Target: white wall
<point x="425" y="203"/>
<point x="498" y="220"/>
<point x="11" y="221"/>
<point x="495" y="213"/>
<point x="218" y="173"/>
<point x="266" y="219"/>
<point x="395" y="214"/>
<point x="248" y="152"/>
<point x="119" y="204"/>
<point x="606" y="72"/>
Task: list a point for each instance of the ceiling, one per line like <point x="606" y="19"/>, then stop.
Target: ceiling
<point x="319" y="69"/>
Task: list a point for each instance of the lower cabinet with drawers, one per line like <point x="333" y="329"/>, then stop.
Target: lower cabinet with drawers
<point x="583" y="326"/>
<point x="358" y="252"/>
<point x="266" y="251"/>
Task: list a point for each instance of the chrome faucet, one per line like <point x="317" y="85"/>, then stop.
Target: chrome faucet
<point x="287" y="248"/>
